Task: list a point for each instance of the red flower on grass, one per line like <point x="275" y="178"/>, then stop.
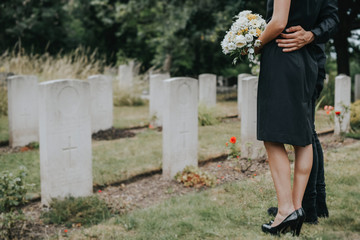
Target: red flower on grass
<point x="65" y="231"/>
<point x="337" y="113"/>
<point x="233" y="140"/>
<point x="99" y="191"/>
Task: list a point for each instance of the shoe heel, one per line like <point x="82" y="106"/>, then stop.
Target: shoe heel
<point x="298" y="228"/>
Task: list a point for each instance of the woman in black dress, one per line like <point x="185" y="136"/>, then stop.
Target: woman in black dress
<point x="286" y="85"/>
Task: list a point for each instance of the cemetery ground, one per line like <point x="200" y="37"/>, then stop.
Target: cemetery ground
<point x="150" y="208"/>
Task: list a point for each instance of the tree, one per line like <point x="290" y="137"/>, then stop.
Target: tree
<point x="349" y="15"/>
<point x="37" y="25"/>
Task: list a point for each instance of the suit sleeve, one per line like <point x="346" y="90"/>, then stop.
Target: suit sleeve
<point x="327" y="23"/>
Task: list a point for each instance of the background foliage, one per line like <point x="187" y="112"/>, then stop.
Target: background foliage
<point x="182" y="37"/>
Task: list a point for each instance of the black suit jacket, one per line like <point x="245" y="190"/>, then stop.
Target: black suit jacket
<point x="326" y="26"/>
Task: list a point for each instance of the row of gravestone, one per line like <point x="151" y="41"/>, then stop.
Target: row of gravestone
<point x="65" y="130"/>
<point x="207" y="94"/>
<point x="23" y="103"/>
<point x="61" y="112"/>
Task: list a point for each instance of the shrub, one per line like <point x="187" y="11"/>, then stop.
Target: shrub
<point x="127" y="99"/>
<point x="192" y="176"/>
<point x="12" y="195"/>
<point x="83" y="210"/>
<point x="11" y="224"/>
<point x="355" y="116"/>
<point x="12" y="190"/>
<point x="328" y="93"/>
<point x="3" y="101"/>
<point x="206" y="116"/>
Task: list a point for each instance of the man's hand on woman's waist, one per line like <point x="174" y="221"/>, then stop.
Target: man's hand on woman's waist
<point x="295" y="38"/>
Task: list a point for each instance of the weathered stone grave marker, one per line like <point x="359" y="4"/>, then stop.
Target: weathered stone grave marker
<point x="156" y="103"/>
<point x="180" y="125"/>
<point x="239" y="92"/>
<point x="23" y="110"/>
<point x="126" y="75"/>
<point x="357" y="87"/>
<point x="65" y="139"/>
<point x="250" y="146"/>
<point x="207" y="89"/>
<point x="342" y="103"/>
<point x="101" y="102"/>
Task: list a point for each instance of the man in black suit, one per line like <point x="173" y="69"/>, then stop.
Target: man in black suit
<point x="314" y="201"/>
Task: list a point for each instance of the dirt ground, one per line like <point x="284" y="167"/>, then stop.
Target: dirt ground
<point x="149" y="190"/>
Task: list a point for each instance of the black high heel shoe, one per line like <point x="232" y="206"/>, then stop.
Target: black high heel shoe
<point x="301" y="218"/>
<point x="289" y="224"/>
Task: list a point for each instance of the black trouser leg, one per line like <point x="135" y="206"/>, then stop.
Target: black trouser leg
<point x="321" y="207"/>
<point x="310" y="195"/>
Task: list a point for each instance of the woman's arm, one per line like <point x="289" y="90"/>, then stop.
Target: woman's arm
<point x="277" y="23"/>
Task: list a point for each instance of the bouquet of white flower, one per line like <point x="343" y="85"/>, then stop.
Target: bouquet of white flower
<point x="243" y="36"/>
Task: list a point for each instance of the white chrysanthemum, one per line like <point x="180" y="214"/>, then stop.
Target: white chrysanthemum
<point x="231" y="46"/>
<point x="240" y="23"/>
<point x="249" y="38"/>
<point x="252" y="31"/>
<point x="244" y="13"/>
<point x="255" y="23"/>
<point x="257" y="43"/>
<point x="240" y="41"/>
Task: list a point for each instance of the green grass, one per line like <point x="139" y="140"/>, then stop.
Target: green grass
<point x="323" y="121"/>
<point x="4" y="128"/>
<point x="119" y="159"/>
<point x="126" y="117"/>
<point x="82" y="210"/>
<point x="237" y="210"/>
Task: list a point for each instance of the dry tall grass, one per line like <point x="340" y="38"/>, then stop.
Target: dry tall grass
<point x="78" y="64"/>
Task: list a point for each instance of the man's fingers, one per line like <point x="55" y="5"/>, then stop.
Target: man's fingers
<point x="288" y="45"/>
<point x="294" y="29"/>
<point x="290" y="49"/>
<point x="289" y="35"/>
<point x="286" y="40"/>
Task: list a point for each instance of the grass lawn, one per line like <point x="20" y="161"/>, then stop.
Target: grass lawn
<point x="127" y="117"/>
<point x="119" y="159"/>
<point x="237" y="210"/>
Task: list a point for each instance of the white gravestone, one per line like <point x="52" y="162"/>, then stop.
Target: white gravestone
<point x="207" y="89"/>
<point x="65" y="139"/>
<point x="250" y="146"/>
<point x="126" y="75"/>
<point x="357" y="87"/>
<point x="342" y="102"/>
<point x="156" y="103"/>
<point x="239" y="93"/>
<point x="101" y="93"/>
<point x="326" y="80"/>
<point x="23" y="110"/>
<point x="180" y="125"/>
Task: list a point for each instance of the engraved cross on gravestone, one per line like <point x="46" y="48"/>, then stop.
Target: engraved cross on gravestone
<point x="25" y="116"/>
<point x="68" y="149"/>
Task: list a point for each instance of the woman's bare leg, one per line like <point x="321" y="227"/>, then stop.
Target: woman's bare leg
<point x="280" y="172"/>
<point x="303" y="164"/>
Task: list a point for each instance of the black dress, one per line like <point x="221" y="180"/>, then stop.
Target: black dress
<point x="287" y="82"/>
